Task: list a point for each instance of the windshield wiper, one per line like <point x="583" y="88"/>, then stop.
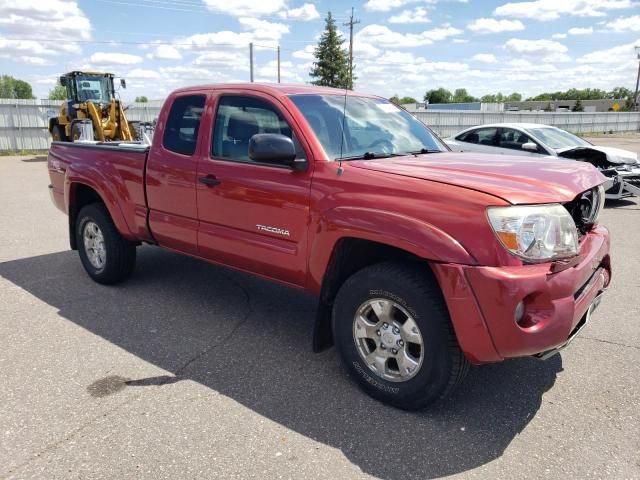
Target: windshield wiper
<point x="371" y="156"/>
<point x="423" y="151"/>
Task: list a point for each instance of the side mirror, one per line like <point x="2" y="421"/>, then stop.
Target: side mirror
<point x="123" y="83"/>
<point x="530" y="147"/>
<point x="276" y="149"/>
<point x="63" y="81"/>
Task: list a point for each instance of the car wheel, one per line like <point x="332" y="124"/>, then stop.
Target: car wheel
<point x="394" y="335"/>
<point x="107" y="257"/>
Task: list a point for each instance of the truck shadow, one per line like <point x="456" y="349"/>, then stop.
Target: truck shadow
<point x="250" y="340"/>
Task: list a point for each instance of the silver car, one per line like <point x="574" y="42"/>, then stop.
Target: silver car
<point x="532" y="139"/>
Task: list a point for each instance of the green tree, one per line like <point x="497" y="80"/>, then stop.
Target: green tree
<point x="620" y="93"/>
<point x="331" y="65"/>
<point x="439" y="95"/>
<point x="514" y="97"/>
<point x="14" y="88"/>
<point x="395" y="99"/>
<point x="142" y="99"/>
<point x="58" y="92"/>
<point x="578" y="106"/>
<point x="405" y="100"/>
<point x="461" y="96"/>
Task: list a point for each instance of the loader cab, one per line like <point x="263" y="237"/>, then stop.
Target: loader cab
<point x="89" y="87"/>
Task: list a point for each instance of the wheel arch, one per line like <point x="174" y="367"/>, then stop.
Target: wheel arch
<point x="80" y="193"/>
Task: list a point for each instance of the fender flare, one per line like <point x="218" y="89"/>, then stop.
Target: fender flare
<point x="415" y="236"/>
<point x="94" y="179"/>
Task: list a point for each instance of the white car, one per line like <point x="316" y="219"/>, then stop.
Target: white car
<point x="536" y="140"/>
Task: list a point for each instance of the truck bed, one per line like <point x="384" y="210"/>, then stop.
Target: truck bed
<point x="118" y="167"/>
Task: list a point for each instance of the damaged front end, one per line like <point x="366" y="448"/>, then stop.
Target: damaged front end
<point x="621" y="167"/>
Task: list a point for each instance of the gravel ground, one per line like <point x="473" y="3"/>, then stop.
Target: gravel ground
<point x="193" y="371"/>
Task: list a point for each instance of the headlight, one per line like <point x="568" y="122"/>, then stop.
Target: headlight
<point x="535" y="233"/>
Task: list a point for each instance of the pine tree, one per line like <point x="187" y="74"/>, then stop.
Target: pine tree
<point x="331" y="67"/>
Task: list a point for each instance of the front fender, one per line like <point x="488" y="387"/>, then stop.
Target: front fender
<point x="389" y="228"/>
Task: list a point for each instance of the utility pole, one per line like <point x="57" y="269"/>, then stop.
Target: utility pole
<point x="251" y="61"/>
<point x="278" y="63"/>
<point x="350" y="24"/>
<point x="635" y="96"/>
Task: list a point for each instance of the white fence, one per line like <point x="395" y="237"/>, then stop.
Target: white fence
<point x="23" y="123"/>
<point x="449" y="123"/>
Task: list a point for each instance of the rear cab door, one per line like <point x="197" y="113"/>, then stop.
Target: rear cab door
<point x="171" y="173"/>
<point x="252" y="216"/>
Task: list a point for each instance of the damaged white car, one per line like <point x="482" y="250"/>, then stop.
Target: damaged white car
<point x="531" y="139"/>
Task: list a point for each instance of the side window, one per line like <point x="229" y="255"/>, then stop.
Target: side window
<point x="240" y="118"/>
<point x="183" y="124"/>
<point x="482" y="136"/>
<point x="512" y="139"/>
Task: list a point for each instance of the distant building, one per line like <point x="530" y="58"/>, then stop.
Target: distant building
<point x="467" y="107"/>
<point x="563" y="105"/>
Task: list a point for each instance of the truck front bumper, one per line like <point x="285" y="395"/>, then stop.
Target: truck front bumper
<point x="529" y="310"/>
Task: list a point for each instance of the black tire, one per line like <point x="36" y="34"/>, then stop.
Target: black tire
<point x="120" y="254"/>
<point x="58" y="133"/>
<point x="414" y="288"/>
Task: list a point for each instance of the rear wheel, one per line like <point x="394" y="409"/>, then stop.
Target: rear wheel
<point x="394" y="334"/>
<point x="107" y="257"/>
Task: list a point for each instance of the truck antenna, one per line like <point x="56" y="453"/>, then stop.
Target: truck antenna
<point x="344" y="118"/>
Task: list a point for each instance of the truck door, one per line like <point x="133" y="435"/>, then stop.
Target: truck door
<point x="252" y="216"/>
<point x="171" y="175"/>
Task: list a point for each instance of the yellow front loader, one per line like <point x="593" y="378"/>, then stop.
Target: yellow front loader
<point x="91" y="97"/>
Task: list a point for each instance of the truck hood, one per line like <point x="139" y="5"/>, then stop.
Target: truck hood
<point x="514" y="179"/>
<point x="614" y="155"/>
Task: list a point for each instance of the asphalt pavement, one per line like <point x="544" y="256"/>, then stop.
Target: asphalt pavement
<point x="188" y="370"/>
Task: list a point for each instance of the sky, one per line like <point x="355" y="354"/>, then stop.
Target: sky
<point x="402" y="47"/>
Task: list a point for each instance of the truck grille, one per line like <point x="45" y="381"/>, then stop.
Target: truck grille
<point x="585" y="208"/>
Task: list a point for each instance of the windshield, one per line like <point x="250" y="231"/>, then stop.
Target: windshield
<point x="558" y="139"/>
<point x="94" y="88"/>
<point x="374" y="127"/>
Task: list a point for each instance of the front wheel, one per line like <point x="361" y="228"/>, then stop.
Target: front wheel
<point x="394" y="334"/>
<point x="107" y="257"/>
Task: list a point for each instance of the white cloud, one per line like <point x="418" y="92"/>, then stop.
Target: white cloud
<point x="580" y="31"/>
<point x="56" y="18"/>
<point x="288" y="71"/>
<point x="417" y="15"/>
<point x="141" y="73"/>
<point x="385" y="5"/>
<point x="491" y="25"/>
<point x="625" y="24"/>
<point x="17" y="48"/>
<point x="305" y="13"/>
<point x="620" y="55"/>
<point x="109" y="58"/>
<point x="559" y="36"/>
<point x="223" y="60"/>
<point x="485" y="57"/>
<point x="166" y="52"/>
<point x="244" y="8"/>
<point x="305" y="54"/>
<point x="554" y="9"/>
<point x="263" y="29"/>
<point x="382" y="36"/>
<point x="534" y="47"/>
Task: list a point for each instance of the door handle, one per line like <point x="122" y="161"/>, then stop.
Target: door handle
<point x="209" y="180"/>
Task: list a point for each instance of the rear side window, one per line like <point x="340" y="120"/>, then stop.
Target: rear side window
<point x="183" y="124"/>
<point x="482" y="136"/>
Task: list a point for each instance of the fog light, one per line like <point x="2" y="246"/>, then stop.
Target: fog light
<point x="519" y="312"/>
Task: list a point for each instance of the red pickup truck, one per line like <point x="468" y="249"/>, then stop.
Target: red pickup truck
<point x="423" y="260"/>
